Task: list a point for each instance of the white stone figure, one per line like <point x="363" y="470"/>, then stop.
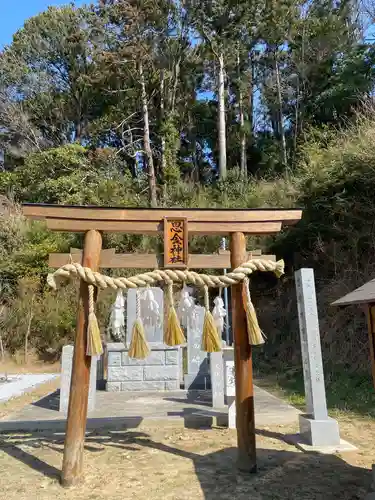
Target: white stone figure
<point x="117" y="318"/>
<point x="186" y="309"/>
<point x="150" y="310"/>
<point x="219" y="313"/>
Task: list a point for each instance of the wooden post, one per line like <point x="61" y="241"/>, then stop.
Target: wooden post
<point x="245" y="421"/>
<point x="79" y="389"/>
<point x="370" y="313"/>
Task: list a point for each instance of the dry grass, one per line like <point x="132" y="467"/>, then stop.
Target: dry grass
<point x="16" y="365"/>
<point x="185" y="464"/>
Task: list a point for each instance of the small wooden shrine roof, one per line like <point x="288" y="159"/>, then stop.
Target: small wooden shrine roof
<point x="73" y="218"/>
<point x="362" y="295"/>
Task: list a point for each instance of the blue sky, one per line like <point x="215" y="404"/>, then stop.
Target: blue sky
<point x="15" y="12"/>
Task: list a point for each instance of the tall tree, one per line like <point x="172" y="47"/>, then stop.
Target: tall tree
<point x="214" y="21"/>
<point x="50" y="65"/>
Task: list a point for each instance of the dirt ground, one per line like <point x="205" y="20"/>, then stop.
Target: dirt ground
<point x="17" y="366"/>
<point x="173" y="463"/>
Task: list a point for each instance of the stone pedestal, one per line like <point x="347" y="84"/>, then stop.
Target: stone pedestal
<point x="160" y="371"/>
<point x="316" y="427"/>
<point x="66" y="375"/>
<point x="319" y="432"/>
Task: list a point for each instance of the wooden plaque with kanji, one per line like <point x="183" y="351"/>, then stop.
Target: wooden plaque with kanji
<point x="175" y="242"/>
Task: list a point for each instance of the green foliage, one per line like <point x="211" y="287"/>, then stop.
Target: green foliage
<point x="346" y="391"/>
<point x="52" y="64"/>
<point x="51" y="318"/>
<point x="72" y="174"/>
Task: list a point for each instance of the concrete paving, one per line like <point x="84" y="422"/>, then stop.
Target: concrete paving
<point x="12" y="386"/>
<point x="131" y="409"/>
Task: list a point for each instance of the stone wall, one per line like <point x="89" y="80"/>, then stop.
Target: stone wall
<point x="160" y="371"/>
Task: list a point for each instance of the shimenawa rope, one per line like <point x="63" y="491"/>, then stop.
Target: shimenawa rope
<point x="173" y="333"/>
<point x="75" y="269"/>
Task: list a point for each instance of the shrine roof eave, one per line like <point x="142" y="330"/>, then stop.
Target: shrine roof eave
<point x="365" y="294"/>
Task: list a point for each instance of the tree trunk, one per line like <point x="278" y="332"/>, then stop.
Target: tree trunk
<point x="194" y="173"/>
<point x="2" y="348"/>
<point x="280" y="125"/>
<point x="296" y="121"/>
<point x="251" y="98"/>
<point x="222" y="127"/>
<point x="175" y="84"/>
<point x="243" y="162"/>
<point x="1" y="337"/>
<point x="146" y="140"/>
<point x="78" y="131"/>
<point x="162" y="133"/>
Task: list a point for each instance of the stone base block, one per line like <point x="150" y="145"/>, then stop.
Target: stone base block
<point x="172" y="385"/>
<point x="319" y="432"/>
<point x="159" y="371"/>
<point x="342" y="447"/>
<point x="197" y="381"/>
<point x="113" y="386"/>
<point x="143" y="385"/>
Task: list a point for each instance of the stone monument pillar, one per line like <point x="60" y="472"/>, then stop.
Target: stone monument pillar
<point x="217" y="379"/>
<point x="316" y="427"/>
<point x="229" y="385"/>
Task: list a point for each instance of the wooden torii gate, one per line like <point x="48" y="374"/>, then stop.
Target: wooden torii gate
<point x="95" y="220"/>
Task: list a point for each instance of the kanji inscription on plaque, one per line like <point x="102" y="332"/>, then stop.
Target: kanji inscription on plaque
<point x="175" y="242"/>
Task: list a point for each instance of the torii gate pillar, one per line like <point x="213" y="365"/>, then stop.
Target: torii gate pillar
<point x="245" y="418"/>
<point x="79" y="390"/>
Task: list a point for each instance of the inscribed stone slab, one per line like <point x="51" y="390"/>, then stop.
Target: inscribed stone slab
<point x="316" y="404"/>
<point x="316" y="427"/>
<point x="217" y="379"/>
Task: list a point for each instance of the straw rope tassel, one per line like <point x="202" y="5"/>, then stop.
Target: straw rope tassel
<point x="210" y="338"/>
<point x="173" y="334"/>
<point x="138" y="346"/>
<point x="256" y="336"/>
<point x="94" y="342"/>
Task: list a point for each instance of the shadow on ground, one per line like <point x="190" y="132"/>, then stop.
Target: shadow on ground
<point x="281" y="474"/>
<point x="50" y="402"/>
